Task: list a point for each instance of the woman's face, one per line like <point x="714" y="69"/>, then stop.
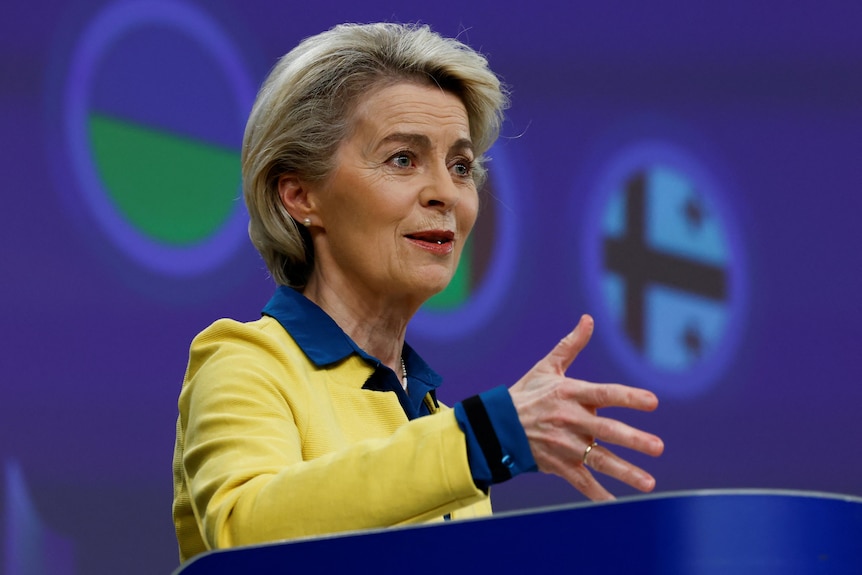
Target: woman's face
<point x="393" y="217"/>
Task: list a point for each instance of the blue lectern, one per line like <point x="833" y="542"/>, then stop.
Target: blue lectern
<point x="694" y="533"/>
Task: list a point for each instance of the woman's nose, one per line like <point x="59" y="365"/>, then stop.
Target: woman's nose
<point x="440" y="190"/>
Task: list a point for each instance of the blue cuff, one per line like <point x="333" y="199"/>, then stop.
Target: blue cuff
<point x="497" y="447"/>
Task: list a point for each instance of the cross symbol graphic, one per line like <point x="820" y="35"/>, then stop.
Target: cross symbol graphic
<point x="640" y="265"/>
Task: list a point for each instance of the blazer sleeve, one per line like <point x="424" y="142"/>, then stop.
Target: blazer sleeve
<point x="244" y="410"/>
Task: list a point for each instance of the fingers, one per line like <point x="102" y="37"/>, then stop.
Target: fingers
<point x="618" y="433"/>
<point x="608" y="463"/>
<point x="604" y="461"/>
<point x="613" y="395"/>
<point x="580" y="478"/>
<point x="579" y="415"/>
<point x="565" y="352"/>
<point x="559" y="416"/>
<point x="560" y="438"/>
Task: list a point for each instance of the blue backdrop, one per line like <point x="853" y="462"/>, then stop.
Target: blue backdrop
<point x="689" y="174"/>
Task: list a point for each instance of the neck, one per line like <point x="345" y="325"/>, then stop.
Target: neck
<point x="377" y="324"/>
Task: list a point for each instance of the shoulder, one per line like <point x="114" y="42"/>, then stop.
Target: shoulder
<point x="241" y="369"/>
<point x="243" y="347"/>
<point x="235" y="365"/>
<point x="262" y="335"/>
<point x="229" y="329"/>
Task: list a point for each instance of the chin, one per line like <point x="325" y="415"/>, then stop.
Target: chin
<point x="432" y="285"/>
<point x="427" y="281"/>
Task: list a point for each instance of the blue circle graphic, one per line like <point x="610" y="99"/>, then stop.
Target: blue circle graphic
<point x="665" y="268"/>
<point x="110" y="26"/>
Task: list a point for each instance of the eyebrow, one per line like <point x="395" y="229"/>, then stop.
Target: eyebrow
<point x="422" y="141"/>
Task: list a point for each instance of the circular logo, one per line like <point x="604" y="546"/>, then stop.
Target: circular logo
<point x="155" y="103"/>
<point x="664" y="268"/>
<point x="487" y="261"/>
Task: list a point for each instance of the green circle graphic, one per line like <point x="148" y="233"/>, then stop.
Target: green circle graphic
<point x="174" y="189"/>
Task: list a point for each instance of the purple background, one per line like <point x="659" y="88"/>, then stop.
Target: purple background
<point x="768" y="95"/>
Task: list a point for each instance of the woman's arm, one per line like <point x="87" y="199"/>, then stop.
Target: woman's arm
<point x="250" y="448"/>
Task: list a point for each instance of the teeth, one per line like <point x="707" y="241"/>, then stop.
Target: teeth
<point x="439" y="242"/>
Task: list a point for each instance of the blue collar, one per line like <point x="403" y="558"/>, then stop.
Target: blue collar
<point x="325" y="343"/>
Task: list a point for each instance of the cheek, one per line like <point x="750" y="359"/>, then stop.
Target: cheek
<point x="469" y="215"/>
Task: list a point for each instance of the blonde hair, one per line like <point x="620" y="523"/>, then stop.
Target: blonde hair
<point x="303" y="112"/>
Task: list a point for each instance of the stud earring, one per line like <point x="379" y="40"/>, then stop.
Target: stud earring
<point x="306" y="222"/>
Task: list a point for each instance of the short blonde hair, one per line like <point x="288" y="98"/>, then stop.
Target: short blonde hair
<point x="304" y="108"/>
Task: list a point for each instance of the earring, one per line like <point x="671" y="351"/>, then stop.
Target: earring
<point x="306" y="222"/>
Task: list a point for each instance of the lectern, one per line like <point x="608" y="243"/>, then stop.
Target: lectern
<point x="692" y="533"/>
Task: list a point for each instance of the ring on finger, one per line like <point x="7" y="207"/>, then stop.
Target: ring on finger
<point x="587" y="451"/>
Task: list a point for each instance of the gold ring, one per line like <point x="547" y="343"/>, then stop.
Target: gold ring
<point x="587" y="451"/>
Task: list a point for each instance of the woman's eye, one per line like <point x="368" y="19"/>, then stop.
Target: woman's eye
<point x="464" y="168"/>
<point x="402" y="160"/>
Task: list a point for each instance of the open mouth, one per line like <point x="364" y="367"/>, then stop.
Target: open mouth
<point x="439" y="237"/>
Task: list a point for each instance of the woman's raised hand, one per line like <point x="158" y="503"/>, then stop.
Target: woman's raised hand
<point x="559" y="415"/>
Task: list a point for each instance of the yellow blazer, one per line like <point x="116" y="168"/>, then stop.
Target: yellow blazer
<point x="271" y="447"/>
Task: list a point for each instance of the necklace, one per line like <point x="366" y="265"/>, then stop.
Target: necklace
<point x="403" y="374"/>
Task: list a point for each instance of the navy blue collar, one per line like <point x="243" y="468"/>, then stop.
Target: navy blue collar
<point x="325" y="343"/>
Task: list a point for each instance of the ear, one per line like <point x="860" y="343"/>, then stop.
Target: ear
<point x="295" y="197"/>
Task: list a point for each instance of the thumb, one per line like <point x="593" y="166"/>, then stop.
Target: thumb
<point x="565" y="352"/>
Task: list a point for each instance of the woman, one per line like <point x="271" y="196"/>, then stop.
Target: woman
<point x="361" y="162"/>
